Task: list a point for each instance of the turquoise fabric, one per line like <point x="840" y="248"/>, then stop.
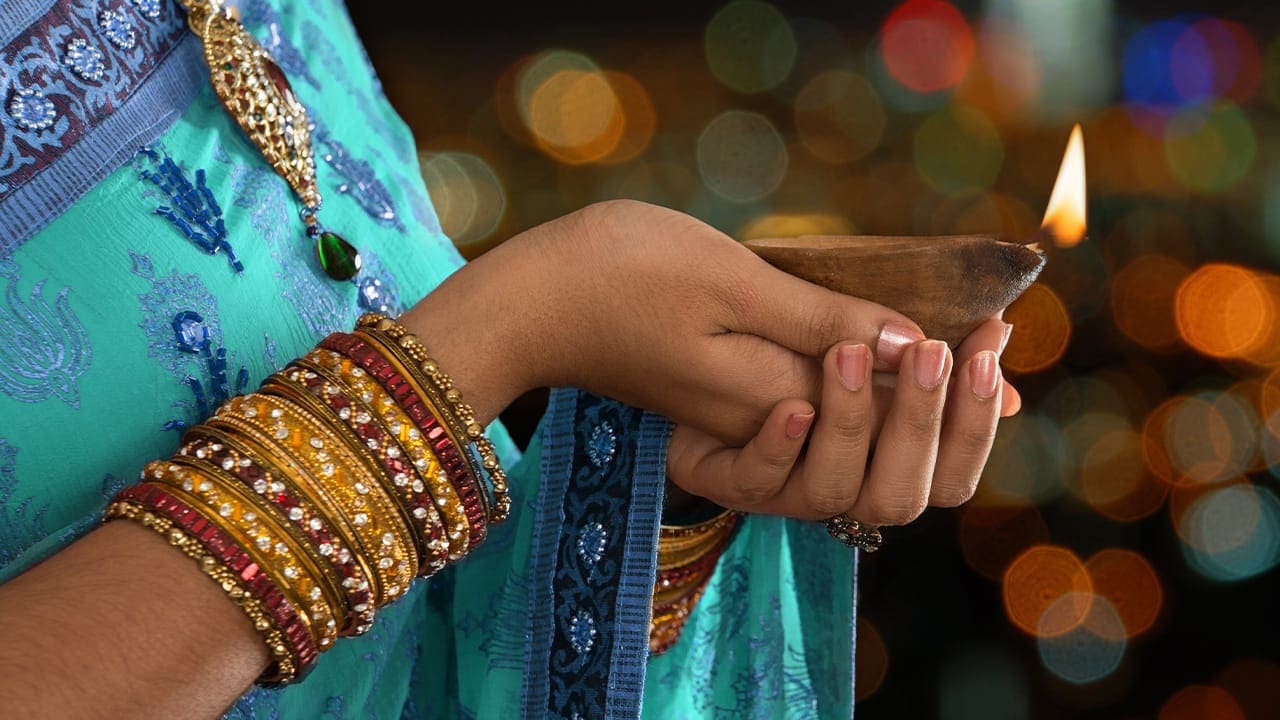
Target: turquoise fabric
<point x="117" y="330"/>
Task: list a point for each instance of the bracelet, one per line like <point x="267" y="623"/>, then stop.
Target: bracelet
<point x="395" y="382"/>
<point x="466" y="416"/>
<point x="322" y="496"/>
<point x="687" y="558"/>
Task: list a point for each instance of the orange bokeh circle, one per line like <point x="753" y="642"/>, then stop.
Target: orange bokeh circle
<point x="1128" y="581"/>
<point x="1201" y="702"/>
<point x="1042" y="330"/>
<point x="1223" y="310"/>
<point x="1036" y="580"/>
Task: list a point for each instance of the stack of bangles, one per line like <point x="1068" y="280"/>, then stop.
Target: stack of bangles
<point x="318" y="499"/>
<point x="687" y="557"/>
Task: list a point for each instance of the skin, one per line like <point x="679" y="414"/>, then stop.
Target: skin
<point x="788" y="399"/>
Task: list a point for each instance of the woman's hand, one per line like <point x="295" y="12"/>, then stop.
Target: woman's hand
<point x="929" y="446"/>
<point x="653" y="308"/>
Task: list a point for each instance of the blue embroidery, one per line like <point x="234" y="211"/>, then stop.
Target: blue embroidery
<point x="592" y="539"/>
<point x="198" y="215"/>
<point x="602" y="445"/>
<point x="31" y="110"/>
<point x="360" y="182"/>
<point x="179" y="337"/>
<point x="376" y="287"/>
<point x="149" y="9"/>
<point x="257" y="704"/>
<point x="21" y="521"/>
<point x="84" y="60"/>
<point x="269" y="353"/>
<point x="43" y="349"/>
<point x="116" y="26"/>
<point x="582" y="631"/>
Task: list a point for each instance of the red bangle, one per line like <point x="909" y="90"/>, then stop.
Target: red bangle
<point x="381" y="369"/>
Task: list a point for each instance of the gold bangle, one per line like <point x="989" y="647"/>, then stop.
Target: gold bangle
<point x="266" y="543"/>
<point x="311" y="509"/>
<point x="465" y="414"/>
<point x="329" y="467"/>
<point x="340" y="370"/>
<point x="476" y="522"/>
<point x="321" y="566"/>
<point x="284" y="666"/>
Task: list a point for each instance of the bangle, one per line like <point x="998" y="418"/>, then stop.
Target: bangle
<point x="394" y="381"/>
<point x="687" y="558"/>
<point x="234" y="456"/>
<point x="232" y="569"/>
<point x="466" y="416"/>
<point x="266" y="543"/>
<point x="404" y="479"/>
<point x="328" y="470"/>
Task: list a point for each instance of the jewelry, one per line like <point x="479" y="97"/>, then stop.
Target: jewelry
<point x="255" y="91"/>
<point x="853" y="533"/>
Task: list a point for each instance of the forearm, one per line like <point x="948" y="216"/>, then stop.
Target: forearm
<point x="120" y="625"/>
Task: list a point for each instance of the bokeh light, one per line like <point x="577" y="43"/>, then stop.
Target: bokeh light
<point x="467" y="194"/>
<point x="1026" y="462"/>
<point x="1254" y="682"/>
<point x="1232" y="533"/>
<point x="750" y="47"/>
<point x="1114" y="479"/>
<point x="872" y="662"/>
<point x="1036" y="581"/>
<point x="1142" y="301"/>
<point x="1215" y="58"/>
<point x="1129" y="582"/>
<point x="1042" y="330"/>
<point x="782" y="225"/>
<point x="741" y="156"/>
<point x="1092" y="647"/>
<point x="957" y="149"/>
<point x="1222" y="310"/>
<point x="927" y="45"/>
<point x="839" y="117"/>
<point x="1210" y="149"/>
<point x="1201" y="702"/>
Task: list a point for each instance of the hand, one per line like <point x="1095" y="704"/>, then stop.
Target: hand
<point x="651" y="307"/>
<point x="929" y="446"/>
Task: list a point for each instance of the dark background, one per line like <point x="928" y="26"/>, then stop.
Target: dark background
<point x="1140" y="473"/>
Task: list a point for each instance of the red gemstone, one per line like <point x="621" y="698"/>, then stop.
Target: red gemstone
<point x="249" y="572"/>
<point x="278" y="79"/>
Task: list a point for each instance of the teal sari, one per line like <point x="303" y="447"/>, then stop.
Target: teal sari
<point x="153" y="265"/>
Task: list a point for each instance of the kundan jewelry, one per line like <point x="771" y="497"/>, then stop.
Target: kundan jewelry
<point x="255" y="91"/>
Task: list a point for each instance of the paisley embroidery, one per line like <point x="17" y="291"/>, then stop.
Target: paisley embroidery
<point x="43" y="349"/>
<point x="195" y="212"/>
<point x="185" y="342"/>
<point x="21" y="521"/>
<point x="360" y="182"/>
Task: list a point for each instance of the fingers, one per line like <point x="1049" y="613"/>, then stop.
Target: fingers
<point x="746" y="478"/>
<point x="896" y="489"/>
<point x="973" y="410"/>
<point x="829" y="478"/>
<point x="810" y="319"/>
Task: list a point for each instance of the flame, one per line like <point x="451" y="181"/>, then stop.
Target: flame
<point x="1064" y="219"/>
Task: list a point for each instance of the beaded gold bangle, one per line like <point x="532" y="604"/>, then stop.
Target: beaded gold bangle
<point x="673" y="538"/>
<point x="328" y="462"/>
<point x="461" y="469"/>
<point x="392" y="376"/>
<point x="466" y="416"/>
<point x="448" y="506"/>
<point x="268" y="544"/>
<point x="248" y="462"/>
<point x="402" y="473"/>
<point x="264" y="439"/>
<point x="220" y="460"/>
<point x="228" y="566"/>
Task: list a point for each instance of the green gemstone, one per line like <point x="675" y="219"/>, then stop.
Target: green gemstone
<point x="338" y="258"/>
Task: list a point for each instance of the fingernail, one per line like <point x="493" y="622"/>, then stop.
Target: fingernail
<point x="852" y="362"/>
<point x="1004" y="341"/>
<point x="895" y="338"/>
<point x="984" y="374"/>
<point x="798" y="425"/>
<point x="931" y="359"/>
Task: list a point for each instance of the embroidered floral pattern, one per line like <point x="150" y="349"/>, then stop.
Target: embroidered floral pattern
<point x="21" y="521"/>
<point x="193" y="209"/>
<point x="44" y="348"/>
<point x="360" y="182"/>
<point x="84" y="60"/>
<point x="31" y="110"/>
<point x="118" y="29"/>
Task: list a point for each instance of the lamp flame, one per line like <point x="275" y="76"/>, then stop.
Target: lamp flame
<point x="1064" y="218"/>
